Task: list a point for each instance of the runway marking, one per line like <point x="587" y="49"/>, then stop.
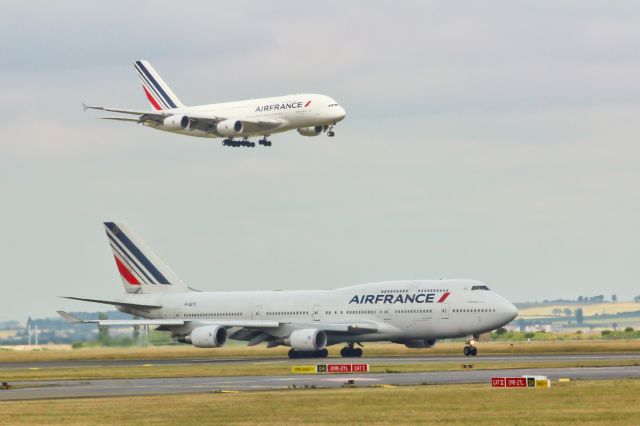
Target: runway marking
<point x="342" y="379"/>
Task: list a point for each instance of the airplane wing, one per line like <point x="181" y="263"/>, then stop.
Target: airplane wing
<point x="199" y="121"/>
<point x="226" y="323"/>
<point x="363" y="327"/>
<point x="124" y="111"/>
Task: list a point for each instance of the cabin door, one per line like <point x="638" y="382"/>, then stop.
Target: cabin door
<point x="257" y="312"/>
<point x="445" y="310"/>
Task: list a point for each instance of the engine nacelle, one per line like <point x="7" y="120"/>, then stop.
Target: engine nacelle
<point x="211" y="336"/>
<point x="419" y="343"/>
<point x="177" y="122"/>
<point x="307" y="340"/>
<point x="310" y="131"/>
<point x="229" y="127"/>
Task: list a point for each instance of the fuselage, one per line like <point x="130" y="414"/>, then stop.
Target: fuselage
<point x="403" y="310"/>
<point x="288" y="112"/>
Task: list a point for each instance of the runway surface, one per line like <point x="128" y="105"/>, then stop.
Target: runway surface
<point x="127" y="387"/>
<point x="54" y="389"/>
<point x="629" y="356"/>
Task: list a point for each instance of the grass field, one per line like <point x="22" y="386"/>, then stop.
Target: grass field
<point x="588" y="309"/>
<point x="583" y="403"/>
<point x="378" y="349"/>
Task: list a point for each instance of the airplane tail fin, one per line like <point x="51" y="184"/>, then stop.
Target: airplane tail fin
<point x="158" y="93"/>
<point x="140" y="268"/>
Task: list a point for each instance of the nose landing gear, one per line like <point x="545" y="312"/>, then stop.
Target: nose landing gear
<point x="470" y="347"/>
<point x="330" y="131"/>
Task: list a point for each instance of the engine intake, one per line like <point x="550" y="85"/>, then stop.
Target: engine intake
<point x="211" y="336"/>
<point x="310" y="131"/>
<point x="307" y="340"/>
<point x="177" y="122"/>
<point x="229" y="127"/>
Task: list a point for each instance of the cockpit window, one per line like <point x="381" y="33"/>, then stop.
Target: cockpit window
<point x="479" y="287"/>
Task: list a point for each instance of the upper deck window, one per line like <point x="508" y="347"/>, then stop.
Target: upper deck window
<point x="479" y="287"/>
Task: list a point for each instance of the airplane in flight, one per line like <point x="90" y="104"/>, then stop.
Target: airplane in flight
<point x="236" y="122"/>
<point x="415" y="313"/>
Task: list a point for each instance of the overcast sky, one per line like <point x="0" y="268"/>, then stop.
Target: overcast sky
<point x="488" y="140"/>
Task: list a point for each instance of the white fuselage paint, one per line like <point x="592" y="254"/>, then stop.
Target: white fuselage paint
<point x="397" y="314"/>
<point x="310" y="110"/>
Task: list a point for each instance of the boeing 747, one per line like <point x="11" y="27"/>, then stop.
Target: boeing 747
<point x="414" y="313"/>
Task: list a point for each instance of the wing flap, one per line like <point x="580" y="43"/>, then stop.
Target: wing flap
<point x="72" y="319"/>
<point x="345" y="328"/>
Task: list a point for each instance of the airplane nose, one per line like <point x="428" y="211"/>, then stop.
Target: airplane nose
<point x="511" y="311"/>
<point x="341" y="113"/>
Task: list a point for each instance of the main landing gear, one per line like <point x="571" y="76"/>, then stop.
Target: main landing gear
<point x="470" y="347"/>
<point x="245" y="142"/>
<point x="350" y="351"/>
<point x="264" y="141"/>
<point x="322" y="353"/>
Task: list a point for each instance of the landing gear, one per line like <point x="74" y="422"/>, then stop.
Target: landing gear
<point x="264" y="141"/>
<point x="322" y="353"/>
<point x="330" y="131"/>
<point x="244" y="142"/>
<point x="470" y="347"/>
<point x="350" y="352"/>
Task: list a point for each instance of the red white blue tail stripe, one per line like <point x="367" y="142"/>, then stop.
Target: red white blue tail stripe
<point x="134" y="267"/>
<point x="158" y="93"/>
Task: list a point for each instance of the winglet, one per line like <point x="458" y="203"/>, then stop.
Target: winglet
<point x="84" y="107"/>
<point x="70" y="318"/>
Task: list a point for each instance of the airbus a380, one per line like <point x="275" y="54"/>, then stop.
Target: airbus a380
<point x="413" y="313"/>
<point x="236" y="122"/>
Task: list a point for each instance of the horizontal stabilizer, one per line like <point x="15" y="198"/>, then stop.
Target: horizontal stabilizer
<point x="69" y="318"/>
<point x="116" y="303"/>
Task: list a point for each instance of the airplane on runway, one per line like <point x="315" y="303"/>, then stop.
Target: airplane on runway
<point x="414" y="313"/>
<point x="310" y="114"/>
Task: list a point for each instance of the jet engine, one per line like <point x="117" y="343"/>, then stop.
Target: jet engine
<point x="177" y="122"/>
<point x="307" y="340"/>
<point x="419" y="343"/>
<point x="229" y="127"/>
<point x="310" y="131"/>
<point x="211" y="336"/>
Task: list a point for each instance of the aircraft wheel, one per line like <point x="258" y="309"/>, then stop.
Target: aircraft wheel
<point x="474" y="351"/>
<point x="357" y="352"/>
<point x="293" y="354"/>
<point x="331" y="134"/>
<point x="467" y="351"/>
